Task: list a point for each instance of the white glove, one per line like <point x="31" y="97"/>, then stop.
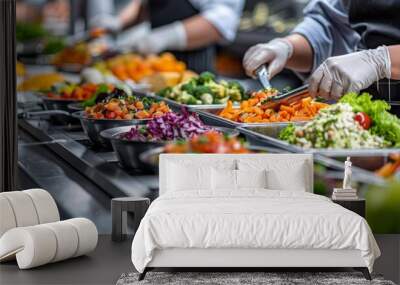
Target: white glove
<point x="350" y="73"/>
<point x="172" y="36"/>
<point x="109" y="22"/>
<point x="275" y="53"/>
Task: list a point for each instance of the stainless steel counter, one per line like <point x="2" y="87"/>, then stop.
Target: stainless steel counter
<point x="81" y="179"/>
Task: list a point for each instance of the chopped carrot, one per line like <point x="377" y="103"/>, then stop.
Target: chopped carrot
<point x="252" y="111"/>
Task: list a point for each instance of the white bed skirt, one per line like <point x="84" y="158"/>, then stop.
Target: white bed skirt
<point x="191" y="257"/>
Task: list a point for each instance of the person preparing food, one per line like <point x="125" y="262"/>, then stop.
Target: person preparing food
<point x="188" y="28"/>
<point x="347" y="45"/>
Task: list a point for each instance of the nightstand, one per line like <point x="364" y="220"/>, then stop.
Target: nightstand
<point x="357" y="206"/>
<point x="119" y="209"/>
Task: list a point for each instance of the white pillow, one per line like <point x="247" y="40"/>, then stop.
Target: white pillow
<point x="223" y="179"/>
<point x="188" y="177"/>
<point x="251" y="178"/>
<point x="282" y="174"/>
<point x="293" y="180"/>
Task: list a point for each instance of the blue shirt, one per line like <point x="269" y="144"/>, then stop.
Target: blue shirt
<point x="326" y="26"/>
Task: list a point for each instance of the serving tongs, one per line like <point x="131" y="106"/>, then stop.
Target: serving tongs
<point x="281" y="98"/>
<point x="263" y="76"/>
<point x="287" y="98"/>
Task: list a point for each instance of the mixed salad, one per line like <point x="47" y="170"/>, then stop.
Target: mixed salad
<point x="170" y="126"/>
<point x="356" y="121"/>
<point x="74" y="91"/>
<point x="204" y="90"/>
<point x="118" y="105"/>
<point x="210" y="142"/>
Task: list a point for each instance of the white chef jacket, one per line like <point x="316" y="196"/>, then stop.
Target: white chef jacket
<point x="223" y="14"/>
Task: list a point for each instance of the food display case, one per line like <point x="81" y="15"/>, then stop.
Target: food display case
<point x="75" y="138"/>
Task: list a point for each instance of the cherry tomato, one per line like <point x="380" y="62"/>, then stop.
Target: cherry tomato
<point x="363" y="119"/>
<point x="110" y="115"/>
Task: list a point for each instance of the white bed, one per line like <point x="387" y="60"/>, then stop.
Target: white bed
<point x="195" y="223"/>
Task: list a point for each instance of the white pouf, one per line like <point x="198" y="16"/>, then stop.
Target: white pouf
<point x="26" y="208"/>
<point x="7" y="218"/>
<point x="37" y="245"/>
<point x="45" y="205"/>
<point x="31" y="231"/>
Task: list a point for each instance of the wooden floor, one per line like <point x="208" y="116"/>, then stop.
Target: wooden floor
<point x="110" y="259"/>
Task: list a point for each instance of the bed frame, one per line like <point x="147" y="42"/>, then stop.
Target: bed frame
<point x="240" y="259"/>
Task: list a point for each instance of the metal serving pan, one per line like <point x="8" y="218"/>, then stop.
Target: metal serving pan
<point x="77" y="105"/>
<point x="128" y="151"/>
<point x="268" y="135"/>
<point x="52" y="104"/>
<point x="211" y="117"/>
<point x="213" y="107"/>
<point x="254" y="137"/>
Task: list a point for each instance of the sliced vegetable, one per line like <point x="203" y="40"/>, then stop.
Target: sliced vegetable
<point x="363" y="119"/>
<point x="205" y="90"/>
<point x="253" y="110"/>
<point x="170" y="126"/>
<point x="118" y="105"/>
<point x="72" y="91"/>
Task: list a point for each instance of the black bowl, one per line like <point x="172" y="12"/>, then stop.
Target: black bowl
<point x="128" y="152"/>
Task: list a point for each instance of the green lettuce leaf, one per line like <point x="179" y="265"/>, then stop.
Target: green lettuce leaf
<point x="384" y="124"/>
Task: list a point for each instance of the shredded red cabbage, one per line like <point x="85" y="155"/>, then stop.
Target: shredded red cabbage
<point x="170" y="126"/>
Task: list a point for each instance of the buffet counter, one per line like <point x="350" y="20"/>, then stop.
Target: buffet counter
<point x="98" y="165"/>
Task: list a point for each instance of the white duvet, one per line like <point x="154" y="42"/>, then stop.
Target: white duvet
<point x="250" y="219"/>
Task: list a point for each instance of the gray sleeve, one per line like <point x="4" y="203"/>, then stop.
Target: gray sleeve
<point x="326" y="27"/>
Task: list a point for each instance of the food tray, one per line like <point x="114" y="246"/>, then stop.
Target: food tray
<point x="190" y="107"/>
<point x="211" y="116"/>
<point x="255" y="138"/>
<point x="267" y="135"/>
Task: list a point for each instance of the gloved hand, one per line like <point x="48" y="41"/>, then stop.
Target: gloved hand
<point x="172" y="36"/>
<point x="350" y="73"/>
<point x="275" y="53"/>
<point x="108" y="22"/>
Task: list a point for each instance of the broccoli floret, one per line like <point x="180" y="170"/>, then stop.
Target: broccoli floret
<point x="147" y="102"/>
<point x="200" y="90"/>
<point x="194" y="101"/>
<point x="236" y="85"/>
<point x="205" y="77"/>
<point x="164" y="92"/>
<point x="224" y="83"/>
<point x="235" y="95"/>
<point x="217" y="90"/>
<point x="189" y="87"/>
<point x="207" y="98"/>
<point x="221" y="100"/>
<point x="187" y="98"/>
<point x="236" y="91"/>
